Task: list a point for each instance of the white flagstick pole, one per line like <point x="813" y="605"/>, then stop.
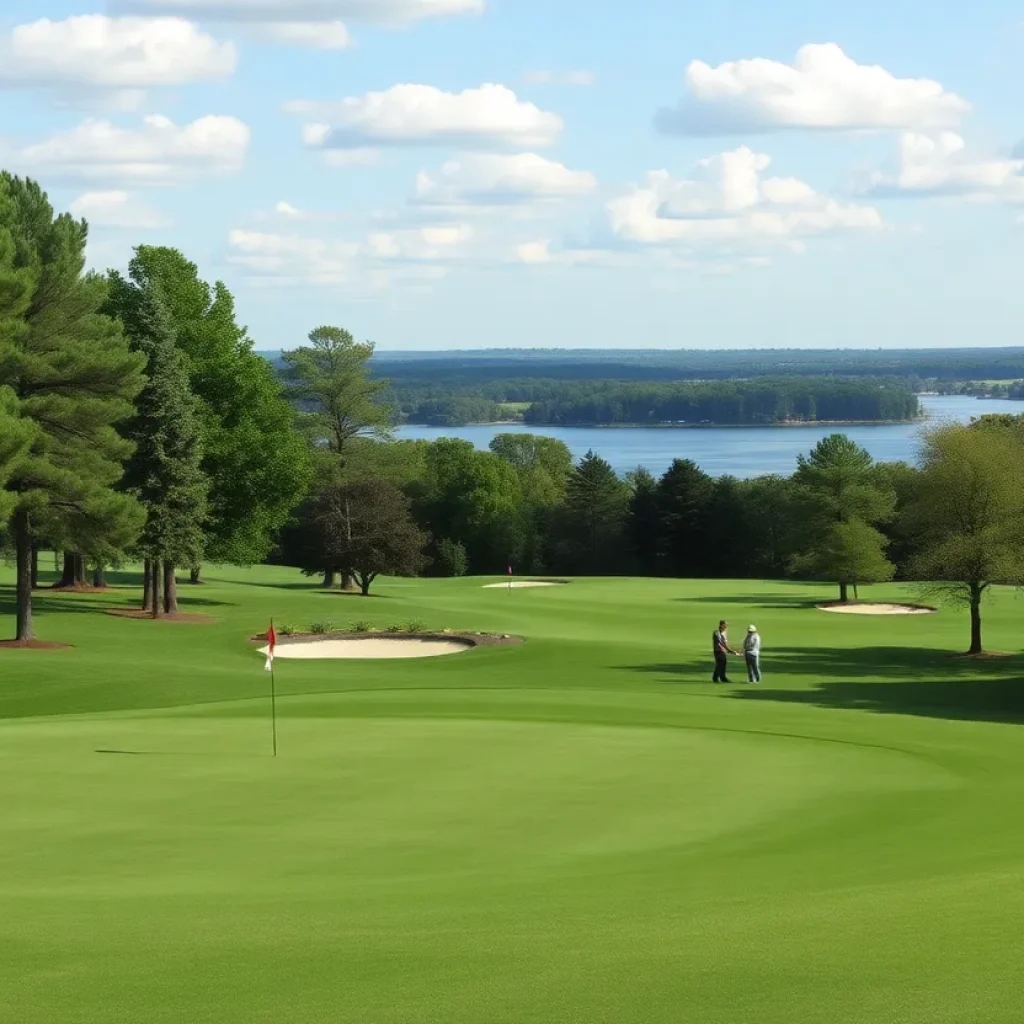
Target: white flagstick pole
<point x="273" y="690"/>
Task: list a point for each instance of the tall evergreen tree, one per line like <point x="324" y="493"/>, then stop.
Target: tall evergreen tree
<point x="72" y="374"/>
<point x="165" y="471"/>
<point x="257" y="462"/>
<point x="683" y="497"/>
<point x="642" y="525"/>
<point x="16" y="437"/>
<point x="593" y="518"/>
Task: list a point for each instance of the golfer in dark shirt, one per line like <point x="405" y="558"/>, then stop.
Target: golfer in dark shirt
<point x="722" y="650"/>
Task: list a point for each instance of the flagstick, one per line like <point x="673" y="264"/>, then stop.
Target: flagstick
<point x="273" y="698"/>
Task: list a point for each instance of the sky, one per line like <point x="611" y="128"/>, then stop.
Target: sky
<point x="434" y="174"/>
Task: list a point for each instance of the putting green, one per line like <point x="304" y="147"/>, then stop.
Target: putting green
<point x="580" y="829"/>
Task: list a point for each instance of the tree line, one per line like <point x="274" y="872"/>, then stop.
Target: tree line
<point x="761" y="402"/>
<point x="757" y="401"/>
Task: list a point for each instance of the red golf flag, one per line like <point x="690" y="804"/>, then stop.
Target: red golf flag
<point x="271" y="641"/>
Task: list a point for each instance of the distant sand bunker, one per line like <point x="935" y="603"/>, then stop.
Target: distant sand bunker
<point x="329" y="649"/>
<point x="877" y="609"/>
<point x="521" y="584"/>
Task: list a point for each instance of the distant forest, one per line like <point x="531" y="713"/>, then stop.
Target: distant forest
<point x="562" y="386"/>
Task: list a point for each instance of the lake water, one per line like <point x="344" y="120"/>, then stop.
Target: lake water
<point x="739" y="451"/>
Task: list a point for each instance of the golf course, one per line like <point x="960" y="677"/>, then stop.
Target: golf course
<point x="576" y="828"/>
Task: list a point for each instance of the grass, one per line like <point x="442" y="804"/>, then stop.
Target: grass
<point x="579" y="829"/>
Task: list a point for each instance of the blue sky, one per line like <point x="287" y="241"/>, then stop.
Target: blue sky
<point x="478" y="173"/>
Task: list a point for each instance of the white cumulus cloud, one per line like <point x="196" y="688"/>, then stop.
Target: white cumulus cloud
<point x="822" y="89"/>
<point x="111" y="53"/>
<point x="158" y="152"/>
<point x="493" y="179"/>
<point x="940" y="165"/>
<point x="386" y="12"/>
<point x="314" y="35"/>
<point x="369" y="263"/>
<point x="727" y="201"/>
<point x="488" y="117"/>
<point x="117" y="209"/>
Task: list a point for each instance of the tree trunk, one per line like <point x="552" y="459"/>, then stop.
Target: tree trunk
<point x="170" y="590"/>
<point x="194" y="574"/>
<point x="35" y="566"/>
<point x="23" y="542"/>
<point x="976" y="592"/>
<point x="99" y="577"/>
<point x="364" y="584"/>
<point x="348" y="583"/>
<point x="67" y="577"/>
<point x="156" y="572"/>
<point x="856" y="594"/>
<point x="79" y="569"/>
<point x="329" y="578"/>
<point x="844" y="593"/>
<point x="147" y="586"/>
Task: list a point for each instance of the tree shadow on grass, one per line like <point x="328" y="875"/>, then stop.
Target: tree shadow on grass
<point x="94" y="602"/>
<point x="760" y="601"/>
<point x="313" y="588"/>
<point x="885" y="680"/>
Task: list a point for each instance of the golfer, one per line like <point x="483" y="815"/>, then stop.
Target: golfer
<point x="721" y="649"/>
<point x="752" y="654"/>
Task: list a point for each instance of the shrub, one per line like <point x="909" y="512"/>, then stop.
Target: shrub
<point x="319" y="628"/>
<point x="394" y="629"/>
<point x="451" y="559"/>
<point x="415" y="627"/>
<point x="361" y="627"/>
<point x="288" y="630"/>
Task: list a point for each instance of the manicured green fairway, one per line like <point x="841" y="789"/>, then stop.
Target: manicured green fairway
<point x="580" y="829"/>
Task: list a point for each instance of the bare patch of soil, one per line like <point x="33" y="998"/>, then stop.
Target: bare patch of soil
<point x="32" y="645"/>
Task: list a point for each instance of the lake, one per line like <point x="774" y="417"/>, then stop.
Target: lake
<point x="739" y="451"/>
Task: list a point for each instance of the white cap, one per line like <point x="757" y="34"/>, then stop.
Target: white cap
<point x="752" y="629"/>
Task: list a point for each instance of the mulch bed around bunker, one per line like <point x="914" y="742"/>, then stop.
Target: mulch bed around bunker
<point x="138" y="613"/>
<point x="469" y="639"/>
<point x="33" y="645"/>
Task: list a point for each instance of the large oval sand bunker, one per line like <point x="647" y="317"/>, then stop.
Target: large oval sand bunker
<point x="368" y="648"/>
<point x="877" y="609"/>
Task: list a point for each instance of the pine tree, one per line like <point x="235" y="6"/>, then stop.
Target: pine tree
<point x="642" y="523"/>
<point x="594" y="518"/>
<point x="165" y="471"/>
<point x="15" y="441"/>
<point x="71" y="371"/>
<point x="683" y="498"/>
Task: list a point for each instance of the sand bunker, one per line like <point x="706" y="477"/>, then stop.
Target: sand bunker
<point x="522" y="584"/>
<point x="877" y="609"/>
<point x="368" y="648"/>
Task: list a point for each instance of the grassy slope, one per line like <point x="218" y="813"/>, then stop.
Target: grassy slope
<point x="579" y="829"/>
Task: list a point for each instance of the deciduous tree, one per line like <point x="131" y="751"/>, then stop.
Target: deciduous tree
<point x="366" y="529"/>
<point x="968" y="515"/>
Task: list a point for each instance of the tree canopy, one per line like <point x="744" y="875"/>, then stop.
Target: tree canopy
<point x="71" y="372"/>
